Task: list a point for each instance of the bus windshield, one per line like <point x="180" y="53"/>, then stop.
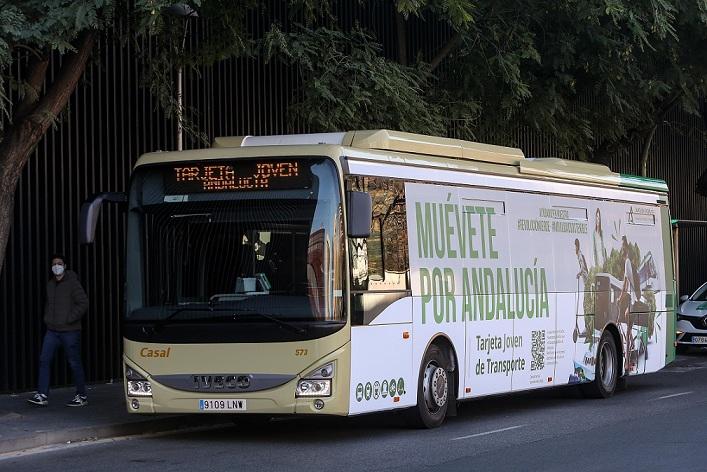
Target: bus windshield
<point x="259" y="241"/>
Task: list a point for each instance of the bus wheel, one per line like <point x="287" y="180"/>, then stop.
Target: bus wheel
<point x="435" y="386"/>
<point x="606" y="370"/>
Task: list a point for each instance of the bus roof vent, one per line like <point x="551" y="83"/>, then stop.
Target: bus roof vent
<point x="435" y="146"/>
<point x="564" y="169"/>
<point x="280" y="140"/>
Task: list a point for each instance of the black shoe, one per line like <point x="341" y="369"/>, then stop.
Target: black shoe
<point x="39" y="399"/>
<point x="79" y="400"/>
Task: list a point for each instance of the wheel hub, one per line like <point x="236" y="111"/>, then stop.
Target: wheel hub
<point x="435" y="387"/>
<point x="607" y="364"/>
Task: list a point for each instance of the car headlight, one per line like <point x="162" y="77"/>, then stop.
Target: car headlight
<point x="316" y="383"/>
<point x="138" y="386"/>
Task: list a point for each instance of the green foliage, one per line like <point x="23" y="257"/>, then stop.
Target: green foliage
<point x="347" y="84"/>
<point x="594" y="76"/>
<point x="605" y="73"/>
<point x="36" y="27"/>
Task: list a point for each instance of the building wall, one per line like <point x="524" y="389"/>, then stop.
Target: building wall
<point x="111" y="121"/>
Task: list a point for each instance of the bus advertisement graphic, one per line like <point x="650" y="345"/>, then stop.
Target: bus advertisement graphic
<point x="533" y="279"/>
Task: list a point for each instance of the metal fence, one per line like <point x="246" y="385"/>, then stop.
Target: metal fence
<point x="111" y="121"/>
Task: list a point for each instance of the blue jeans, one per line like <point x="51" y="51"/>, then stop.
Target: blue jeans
<point x="71" y="341"/>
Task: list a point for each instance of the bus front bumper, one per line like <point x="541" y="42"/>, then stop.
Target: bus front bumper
<point x="280" y="400"/>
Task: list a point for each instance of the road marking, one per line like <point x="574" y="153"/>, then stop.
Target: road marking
<point x="488" y="432"/>
<point x="673" y="395"/>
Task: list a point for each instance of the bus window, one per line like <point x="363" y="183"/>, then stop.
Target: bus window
<point x="380" y="262"/>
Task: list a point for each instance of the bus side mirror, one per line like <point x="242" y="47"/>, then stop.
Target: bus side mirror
<point x="358" y="207"/>
<point x="684" y="298"/>
<point x="90" y="211"/>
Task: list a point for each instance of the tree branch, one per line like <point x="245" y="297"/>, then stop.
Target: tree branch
<point x="647" y="128"/>
<point x="444" y="52"/>
<point x="25" y="133"/>
<point x="37" y="74"/>
<point x="54" y="101"/>
<point x="35" y="52"/>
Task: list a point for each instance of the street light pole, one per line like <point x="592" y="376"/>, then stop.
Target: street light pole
<point x="180" y="138"/>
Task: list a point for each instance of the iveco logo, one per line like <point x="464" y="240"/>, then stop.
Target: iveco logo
<point x="221" y="382"/>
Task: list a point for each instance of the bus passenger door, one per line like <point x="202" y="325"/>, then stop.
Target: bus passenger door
<point x="381" y="354"/>
<point x="381" y="303"/>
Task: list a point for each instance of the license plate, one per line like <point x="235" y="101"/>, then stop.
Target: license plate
<point x="699" y="339"/>
<point x="222" y="405"/>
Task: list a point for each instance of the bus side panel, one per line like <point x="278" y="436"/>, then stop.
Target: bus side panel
<point x="590" y="264"/>
<point x="454" y="332"/>
<point x="670" y="297"/>
<point x="381" y="359"/>
<point x="534" y="298"/>
<point x="656" y="354"/>
<point x="531" y="281"/>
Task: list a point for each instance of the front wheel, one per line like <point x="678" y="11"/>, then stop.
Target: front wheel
<point x="434" y="390"/>
<point x="606" y="371"/>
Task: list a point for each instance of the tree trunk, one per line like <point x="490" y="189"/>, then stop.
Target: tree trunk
<point x="645" y="153"/>
<point x="445" y="51"/>
<point x="31" y="121"/>
<point x="7" y="206"/>
<point x="14" y="151"/>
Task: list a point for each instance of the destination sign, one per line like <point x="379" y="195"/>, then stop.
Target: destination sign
<point x="236" y="176"/>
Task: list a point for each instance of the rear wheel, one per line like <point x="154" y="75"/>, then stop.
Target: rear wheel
<point x="606" y="369"/>
<point x="434" y="390"/>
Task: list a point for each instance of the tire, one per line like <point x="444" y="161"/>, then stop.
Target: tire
<point x="435" y="387"/>
<point x="606" y="371"/>
<point x="681" y="349"/>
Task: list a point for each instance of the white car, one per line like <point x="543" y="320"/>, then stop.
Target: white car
<point x="692" y="319"/>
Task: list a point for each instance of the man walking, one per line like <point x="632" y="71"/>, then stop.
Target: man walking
<point x="66" y="304"/>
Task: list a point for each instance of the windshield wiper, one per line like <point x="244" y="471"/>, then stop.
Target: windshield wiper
<point x="235" y="313"/>
<point x="163" y="321"/>
<point x="238" y="312"/>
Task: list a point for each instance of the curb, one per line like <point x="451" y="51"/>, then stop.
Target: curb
<point x="93" y="432"/>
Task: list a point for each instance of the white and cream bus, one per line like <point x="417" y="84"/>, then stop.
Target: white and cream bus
<point x="349" y="273"/>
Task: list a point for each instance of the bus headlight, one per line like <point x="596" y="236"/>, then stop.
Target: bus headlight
<point x="314" y="388"/>
<point x="138" y="386"/>
<point x="316" y="383"/>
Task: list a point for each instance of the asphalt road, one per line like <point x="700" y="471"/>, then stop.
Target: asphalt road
<point x="658" y="423"/>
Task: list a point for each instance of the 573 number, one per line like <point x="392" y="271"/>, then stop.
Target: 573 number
<point x="300" y="352"/>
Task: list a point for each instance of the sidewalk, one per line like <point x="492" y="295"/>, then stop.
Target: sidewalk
<point x="25" y="426"/>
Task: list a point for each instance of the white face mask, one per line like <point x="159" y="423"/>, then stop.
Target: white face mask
<point x="58" y="269"/>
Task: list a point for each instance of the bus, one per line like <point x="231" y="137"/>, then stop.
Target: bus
<point x="365" y="271"/>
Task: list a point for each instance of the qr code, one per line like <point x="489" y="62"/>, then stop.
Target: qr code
<point x="538" y="350"/>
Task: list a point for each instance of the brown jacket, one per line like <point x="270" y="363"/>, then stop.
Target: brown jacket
<point x="67" y="302"/>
